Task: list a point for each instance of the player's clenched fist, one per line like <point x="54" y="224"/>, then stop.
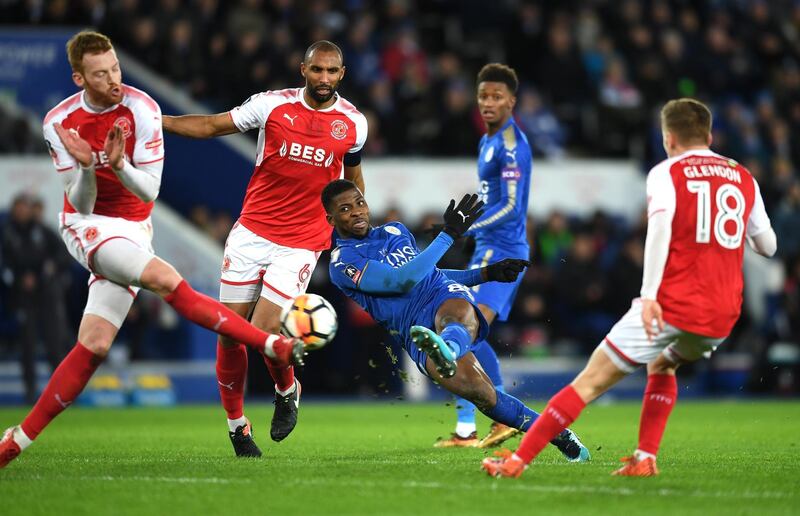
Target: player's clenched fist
<point x="504" y="271"/>
<point x="458" y="218"/>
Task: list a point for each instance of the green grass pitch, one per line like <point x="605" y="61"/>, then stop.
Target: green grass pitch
<point x="350" y="458"/>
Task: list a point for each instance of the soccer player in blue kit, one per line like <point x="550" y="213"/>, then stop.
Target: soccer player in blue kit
<point x="504" y="170"/>
<point x="384" y="271"/>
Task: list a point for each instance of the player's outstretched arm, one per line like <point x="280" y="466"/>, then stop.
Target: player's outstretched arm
<point x="200" y="126"/>
<point x="504" y="271"/>
<point x="378" y="277"/>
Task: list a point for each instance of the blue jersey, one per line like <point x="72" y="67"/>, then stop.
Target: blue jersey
<point x="504" y="170"/>
<point x="394" y="245"/>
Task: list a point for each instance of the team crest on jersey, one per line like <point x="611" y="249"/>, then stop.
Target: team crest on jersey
<point x="124" y="124"/>
<point x="226" y="263"/>
<point x="352" y="272"/>
<point x="392" y="230"/>
<point x="489" y="155"/>
<point x="339" y="129"/>
<point x="90" y="235"/>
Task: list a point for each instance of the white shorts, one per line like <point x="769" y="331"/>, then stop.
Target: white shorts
<point x="254" y="266"/>
<point x="84" y="235"/>
<point x="627" y="345"/>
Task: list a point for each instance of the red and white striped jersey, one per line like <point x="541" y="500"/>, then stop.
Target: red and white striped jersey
<point x="139" y="117"/>
<point x="300" y="150"/>
<point x="716" y="202"/>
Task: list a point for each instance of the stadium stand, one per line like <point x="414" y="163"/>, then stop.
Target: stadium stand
<point x="593" y="75"/>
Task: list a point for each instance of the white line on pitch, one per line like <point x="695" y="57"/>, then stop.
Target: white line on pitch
<point x="496" y="484"/>
<point x="509" y="484"/>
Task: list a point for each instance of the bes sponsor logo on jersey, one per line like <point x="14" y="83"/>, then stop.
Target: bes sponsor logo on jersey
<point x="339" y="129"/>
<point x="307" y="154"/>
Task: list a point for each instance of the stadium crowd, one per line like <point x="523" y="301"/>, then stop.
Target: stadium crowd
<point x="593" y="73"/>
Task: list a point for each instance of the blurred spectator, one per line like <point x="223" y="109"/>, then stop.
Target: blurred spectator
<point x="456" y="131"/>
<point x="545" y="133"/>
<point x="555" y="239"/>
<point x="621" y="118"/>
<point x="625" y="276"/>
<point x="787" y="221"/>
<point x="561" y="76"/>
<point x="581" y="290"/>
<point x="34" y="264"/>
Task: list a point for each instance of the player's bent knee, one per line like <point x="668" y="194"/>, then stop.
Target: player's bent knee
<point x="664" y="364"/>
<point x="160" y="277"/>
<point x="121" y="261"/>
<point x="97" y="334"/>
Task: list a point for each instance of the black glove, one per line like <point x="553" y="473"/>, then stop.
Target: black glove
<point x="505" y="271"/>
<point x="458" y="219"/>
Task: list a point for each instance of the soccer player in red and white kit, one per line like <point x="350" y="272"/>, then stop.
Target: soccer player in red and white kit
<point x="307" y="138"/>
<point x="701" y="208"/>
<point x="106" y="146"/>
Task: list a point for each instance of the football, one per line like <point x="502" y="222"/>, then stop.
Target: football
<point x="310" y="318"/>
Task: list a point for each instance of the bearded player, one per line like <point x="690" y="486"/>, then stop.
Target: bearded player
<point x="307" y="137"/>
<point x="701" y="208"/>
<point x="106" y="146"/>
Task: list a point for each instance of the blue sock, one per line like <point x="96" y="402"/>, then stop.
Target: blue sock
<point x="488" y="360"/>
<point x="466" y="411"/>
<point x="512" y="412"/>
<point x="457" y="337"/>
<point x="491" y="365"/>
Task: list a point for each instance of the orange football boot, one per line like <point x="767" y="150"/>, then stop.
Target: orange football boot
<point x="498" y="433"/>
<point x="456" y="441"/>
<point x="637" y="468"/>
<point x="9" y="449"/>
<point x="507" y="465"/>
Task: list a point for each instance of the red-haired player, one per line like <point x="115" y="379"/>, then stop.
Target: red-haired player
<point x="106" y="145"/>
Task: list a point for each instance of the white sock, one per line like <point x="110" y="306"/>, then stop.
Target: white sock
<point x="287" y="391"/>
<point x="20" y="438"/>
<point x="465" y="429"/>
<point x="641" y="455"/>
<point x="233" y="424"/>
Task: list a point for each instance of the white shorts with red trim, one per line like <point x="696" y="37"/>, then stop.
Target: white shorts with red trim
<point x="628" y="347"/>
<point x="253" y="266"/>
<point x="84" y="235"/>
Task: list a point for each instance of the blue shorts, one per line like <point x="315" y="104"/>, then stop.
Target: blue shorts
<point x="427" y="317"/>
<point x="497" y="296"/>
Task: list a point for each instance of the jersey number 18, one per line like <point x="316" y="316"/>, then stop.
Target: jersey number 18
<point x="725" y="213"/>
